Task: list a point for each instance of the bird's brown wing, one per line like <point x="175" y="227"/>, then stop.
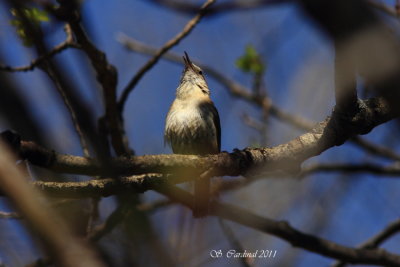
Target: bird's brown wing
<point x="217" y="125"/>
<point x="210" y="114"/>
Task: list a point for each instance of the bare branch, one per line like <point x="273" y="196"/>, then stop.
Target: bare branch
<point x="106" y="187"/>
<point x="83" y="122"/>
<point x="230" y="235"/>
<point x="65" y="247"/>
<point x="113" y="220"/>
<point x="311" y="243"/>
<point x="393" y="171"/>
<point x="378" y="239"/>
<point x="37" y="62"/>
<point x="253" y="123"/>
<point x="224" y="7"/>
<point x="141" y="183"/>
<point x="381" y="237"/>
<point x="375" y="149"/>
<point x="168" y="45"/>
<point x="9" y="215"/>
<point x="250" y="161"/>
<point x="283" y="230"/>
<point x="60" y="88"/>
<point x="286" y="232"/>
<point x="106" y="76"/>
<point x="119" y="214"/>
<point x="231" y="6"/>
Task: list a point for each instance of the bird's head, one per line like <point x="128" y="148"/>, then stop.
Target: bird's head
<point x="192" y="77"/>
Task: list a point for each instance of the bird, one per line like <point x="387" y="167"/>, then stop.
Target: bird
<point x="193" y="127"/>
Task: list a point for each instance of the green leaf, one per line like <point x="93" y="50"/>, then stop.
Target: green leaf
<point x="15" y="22"/>
<point x="251" y="61"/>
<point x="37" y="15"/>
<point x="34" y="15"/>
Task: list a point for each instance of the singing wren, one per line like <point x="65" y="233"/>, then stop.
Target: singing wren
<point x="193" y="126"/>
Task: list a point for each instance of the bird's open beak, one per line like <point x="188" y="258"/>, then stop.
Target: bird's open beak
<point x="188" y="63"/>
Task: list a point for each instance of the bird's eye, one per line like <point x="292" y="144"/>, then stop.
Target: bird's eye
<point x="200" y="72"/>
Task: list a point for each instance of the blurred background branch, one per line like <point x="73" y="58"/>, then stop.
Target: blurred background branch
<point x="64" y="248"/>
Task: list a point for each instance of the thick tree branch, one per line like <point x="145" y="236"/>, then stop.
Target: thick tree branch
<point x="107" y="187"/>
<point x="331" y="132"/>
<point x="141" y="183"/>
<point x="168" y="45"/>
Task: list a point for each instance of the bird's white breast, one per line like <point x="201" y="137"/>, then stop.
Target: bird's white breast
<point x="190" y="129"/>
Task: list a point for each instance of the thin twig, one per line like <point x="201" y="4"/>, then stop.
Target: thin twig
<point x="390" y="230"/>
<point x="36" y="62"/>
<point x="168" y="45"/>
<point x="118" y="215"/>
<point x="223" y="7"/>
<point x="113" y="220"/>
<point x="230" y="235"/>
<point x="375" y="148"/>
<point x="75" y="122"/>
<point x="9" y="215"/>
<point x="253" y="123"/>
<point x="68" y="43"/>
<point x="390" y="171"/>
